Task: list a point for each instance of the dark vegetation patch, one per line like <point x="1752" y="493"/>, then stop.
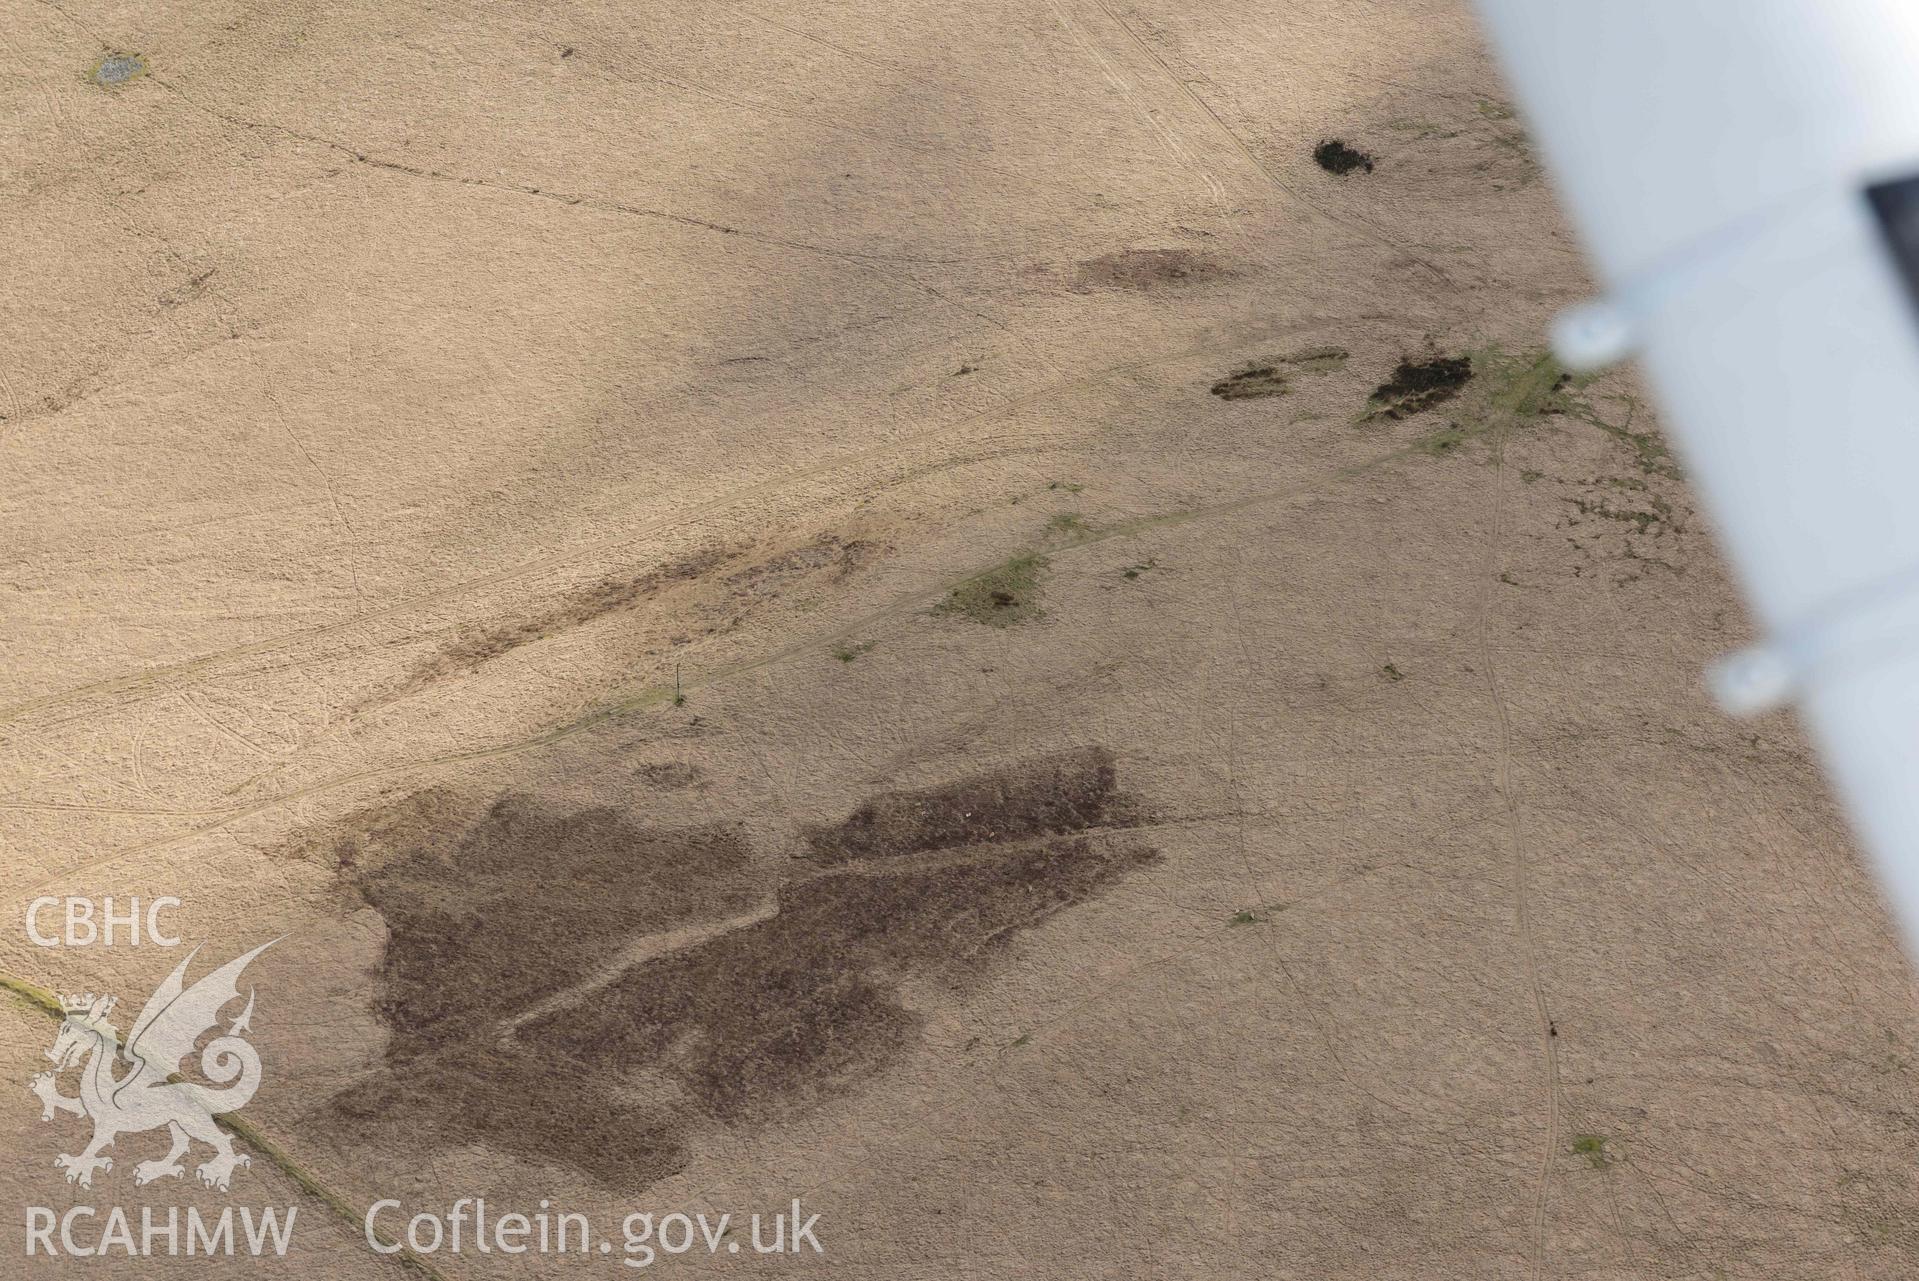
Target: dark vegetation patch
<point x="499" y="909"/>
<point x="1067" y="527"/>
<point x="1418" y="385"/>
<point x="1509" y="390"/>
<point x="771" y="1000"/>
<point x="1001" y="597"/>
<point x="1630" y="523"/>
<point x="490" y="913"/>
<point x="1645" y="511"/>
<point x="1146" y="269"/>
<point x="1529" y="385"/>
<point x="1593" y="1148"/>
<point x="827" y="552"/>
<point x="1069" y="792"/>
<point x="802" y="1007"/>
<point x="1317" y="360"/>
<point x="1649" y="452"/>
<point x="1251" y="383"/>
<point x="1335" y="157"/>
<point x="1273" y="377"/>
<point x="481" y="643"/>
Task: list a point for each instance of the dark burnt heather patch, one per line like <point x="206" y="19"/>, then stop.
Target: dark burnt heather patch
<point x="1251" y="383"/>
<point x="1418" y="385"/>
<point x="1146" y="269"/>
<point x="1273" y="376"/>
<point x="490" y="911"/>
<point x="535" y="1101"/>
<point x="1052" y="796"/>
<point x="803" y="1007"/>
<point x="573" y="989"/>
<point x="1335" y="157"/>
<point x="501" y="910"/>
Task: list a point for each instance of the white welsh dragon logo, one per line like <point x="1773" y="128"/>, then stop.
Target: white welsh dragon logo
<point x="151" y="1093"/>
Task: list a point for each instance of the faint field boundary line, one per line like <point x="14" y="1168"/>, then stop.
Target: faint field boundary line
<point x="39" y="998"/>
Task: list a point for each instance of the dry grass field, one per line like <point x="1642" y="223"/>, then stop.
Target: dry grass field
<point x="917" y="607"/>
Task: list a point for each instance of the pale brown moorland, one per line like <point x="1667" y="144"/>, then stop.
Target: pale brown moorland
<point x="939" y="609"/>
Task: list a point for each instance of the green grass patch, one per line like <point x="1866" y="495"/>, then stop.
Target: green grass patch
<point x="1518" y="389"/>
<point x="1438" y="444"/>
<point x="1507" y="390"/>
<point x="1257" y="915"/>
<point x="1067" y="525"/>
<point x="1592" y="1147"/>
<point x="1003" y="596"/>
<point x="1649" y="452"/>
